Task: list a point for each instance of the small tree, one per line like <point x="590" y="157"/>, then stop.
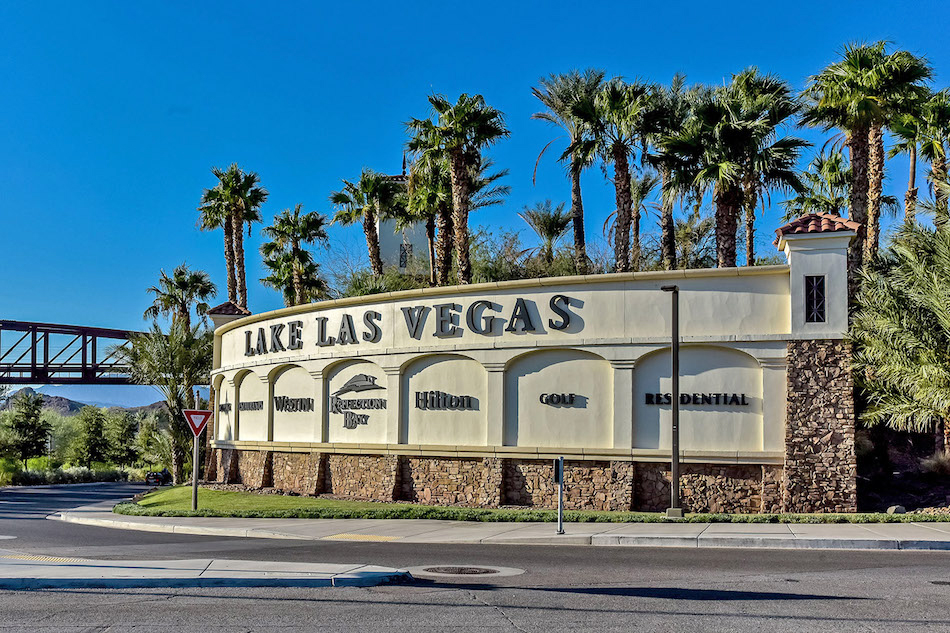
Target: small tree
<point x="120" y="433"/>
<point x="92" y="444"/>
<point x="26" y="431"/>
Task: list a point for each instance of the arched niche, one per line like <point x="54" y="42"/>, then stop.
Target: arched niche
<point x="443" y="401"/>
<point x="251" y="405"/>
<point x="224" y="410"/>
<point x="296" y="412"/>
<point x="731" y="424"/>
<point x="559" y="398"/>
<point x="357" y="403"/>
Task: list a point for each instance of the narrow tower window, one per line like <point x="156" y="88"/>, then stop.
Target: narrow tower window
<point x="814" y="299"/>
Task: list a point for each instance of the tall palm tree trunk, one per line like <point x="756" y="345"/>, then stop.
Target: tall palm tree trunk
<point x="372" y="243"/>
<point x="577" y="216"/>
<point x="858" y="202"/>
<point x="635" y="250"/>
<point x="445" y="240"/>
<point x="430" y="242"/>
<point x="298" y="285"/>
<point x="728" y="207"/>
<point x="623" y="198"/>
<point x="875" y="187"/>
<point x="668" y="237"/>
<point x="237" y="228"/>
<point x="910" y="198"/>
<point x="229" y="261"/>
<point x="938" y="174"/>
<point x="750" y="199"/>
<point x="458" y="167"/>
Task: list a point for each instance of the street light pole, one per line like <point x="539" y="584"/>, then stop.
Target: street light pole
<point x="675" y="511"/>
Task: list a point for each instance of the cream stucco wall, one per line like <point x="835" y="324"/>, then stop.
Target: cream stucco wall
<point x="703" y="369"/>
<point x="734" y="325"/>
<point x="585" y="423"/>
<point x="374" y="428"/>
<point x="295" y="426"/>
<point x="251" y="424"/>
<point x="450" y="374"/>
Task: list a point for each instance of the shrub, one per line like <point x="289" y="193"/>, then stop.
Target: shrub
<point x="939" y="464"/>
<point x="75" y="475"/>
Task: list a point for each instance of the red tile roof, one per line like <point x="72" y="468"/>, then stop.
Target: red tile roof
<point x="229" y="308"/>
<point x="816" y="223"/>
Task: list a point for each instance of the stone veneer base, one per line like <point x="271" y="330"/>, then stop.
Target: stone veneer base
<point x="494" y="482"/>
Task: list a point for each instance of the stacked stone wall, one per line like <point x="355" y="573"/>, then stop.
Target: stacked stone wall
<point x="820" y="462"/>
<point x="492" y="482"/>
<point x="459" y="482"/>
<point x="772" y="489"/>
<point x="252" y="468"/>
<point x="591" y="485"/>
<point x="703" y="488"/>
<point x="299" y="472"/>
<point x="362" y="476"/>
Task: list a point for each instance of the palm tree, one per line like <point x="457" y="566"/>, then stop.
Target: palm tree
<point x="615" y="120"/>
<point x="695" y="239"/>
<point x="174" y="363"/>
<point x="901" y="335"/>
<point x="641" y="188"/>
<point x="550" y="225"/>
<point x="241" y="194"/>
<point x="935" y="131"/>
<point x="459" y="132"/>
<point x="288" y="233"/>
<point x="429" y="200"/>
<point x="825" y="187"/>
<point x="730" y="144"/>
<point x="859" y="94"/>
<point x="366" y="201"/>
<point x="667" y="110"/>
<point x="925" y="124"/>
<point x="298" y="279"/>
<point x="563" y="96"/>
<point x="771" y="161"/>
<point x="216" y="215"/>
<point x="177" y="294"/>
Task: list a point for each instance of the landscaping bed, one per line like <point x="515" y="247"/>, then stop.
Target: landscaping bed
<point x="176" y="502"/>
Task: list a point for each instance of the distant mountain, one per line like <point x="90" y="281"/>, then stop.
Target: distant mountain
<point x="67" y="407"/>
<point x="62" y="406"/>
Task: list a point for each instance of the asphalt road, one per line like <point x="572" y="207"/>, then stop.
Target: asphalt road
<point x="564" y="588"/>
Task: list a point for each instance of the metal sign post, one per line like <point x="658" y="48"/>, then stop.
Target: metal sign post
<point x="675" y="511"/>
<point x="197" y="420"/>
<point x="559" y="478"/>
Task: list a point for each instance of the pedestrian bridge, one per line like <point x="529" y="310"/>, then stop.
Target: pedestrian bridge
<point x="51" y="354"/>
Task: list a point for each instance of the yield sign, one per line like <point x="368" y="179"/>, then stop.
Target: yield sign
<point x="197" y="420"/>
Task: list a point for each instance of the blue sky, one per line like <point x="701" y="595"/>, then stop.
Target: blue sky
<point x="113" y="113"/>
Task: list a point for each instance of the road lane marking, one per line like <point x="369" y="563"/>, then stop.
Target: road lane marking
<point x="46" y="559"/>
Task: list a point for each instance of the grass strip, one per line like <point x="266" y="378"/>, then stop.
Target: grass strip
<point x="176" y="502"/>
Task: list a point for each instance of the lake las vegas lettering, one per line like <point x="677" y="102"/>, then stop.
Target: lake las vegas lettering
<point x="444" y="319"/>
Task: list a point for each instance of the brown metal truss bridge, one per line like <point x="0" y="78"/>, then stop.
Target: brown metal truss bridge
<point x="50" y="354"/>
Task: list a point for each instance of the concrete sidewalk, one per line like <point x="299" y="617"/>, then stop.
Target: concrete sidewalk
<point x="25" y="571"/>
<point x="885" y="536"/>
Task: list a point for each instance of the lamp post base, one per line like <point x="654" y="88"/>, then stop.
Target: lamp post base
<point x="674" y="513"/>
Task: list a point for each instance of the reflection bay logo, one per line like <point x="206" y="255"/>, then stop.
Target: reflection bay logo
<point x="358" y="383"/>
